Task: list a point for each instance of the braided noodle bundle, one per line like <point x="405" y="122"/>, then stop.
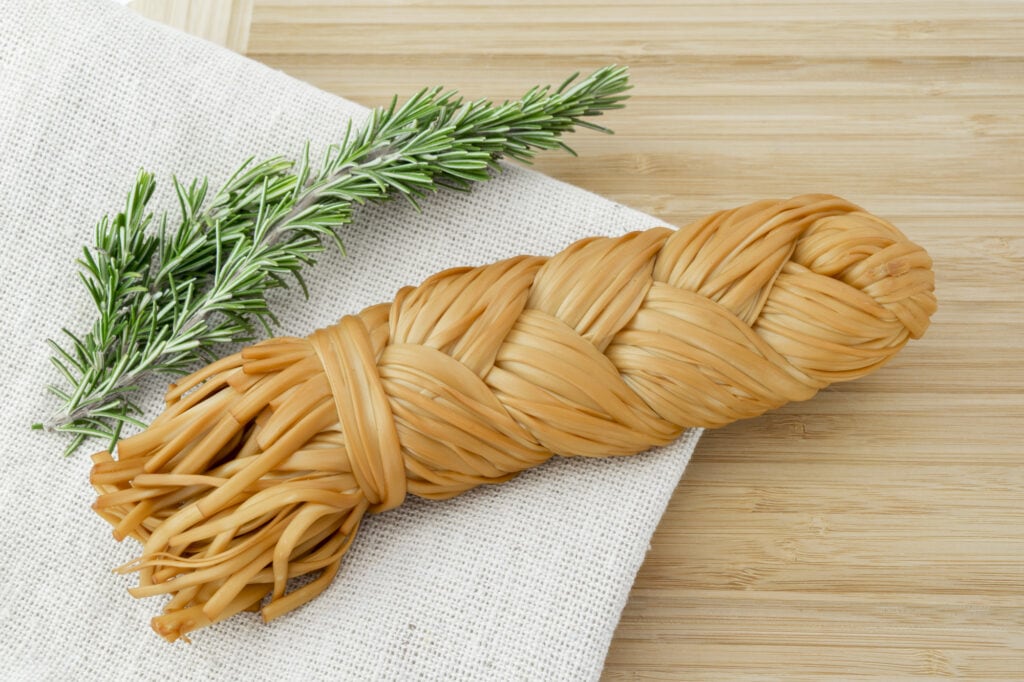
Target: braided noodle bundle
<point x="264" y="463"/>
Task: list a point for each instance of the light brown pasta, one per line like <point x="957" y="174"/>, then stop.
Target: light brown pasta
<point x="264" y="463"/>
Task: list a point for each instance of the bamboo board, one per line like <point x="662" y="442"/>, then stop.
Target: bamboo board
<point x="876" y="531"/>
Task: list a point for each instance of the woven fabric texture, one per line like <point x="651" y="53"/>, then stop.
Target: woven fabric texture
<point x="521" y="581"/>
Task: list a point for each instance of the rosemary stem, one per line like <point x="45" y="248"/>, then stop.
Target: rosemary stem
<point x="165" y="300"/>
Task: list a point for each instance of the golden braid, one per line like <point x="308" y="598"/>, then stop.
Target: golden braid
<point x="264" y="463"/>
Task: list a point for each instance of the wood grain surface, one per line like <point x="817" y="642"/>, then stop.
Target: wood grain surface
<point x="877" y="531"/>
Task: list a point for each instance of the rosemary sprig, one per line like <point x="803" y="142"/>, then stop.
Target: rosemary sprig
<point x="166" y="297"/>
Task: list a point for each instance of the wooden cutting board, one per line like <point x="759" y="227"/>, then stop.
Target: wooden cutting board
<point x="876" y="531"/>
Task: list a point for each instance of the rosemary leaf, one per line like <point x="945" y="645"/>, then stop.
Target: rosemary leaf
<point x="165" y="298"/>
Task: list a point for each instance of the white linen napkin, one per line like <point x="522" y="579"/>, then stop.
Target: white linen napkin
<point x="520" y="581"/>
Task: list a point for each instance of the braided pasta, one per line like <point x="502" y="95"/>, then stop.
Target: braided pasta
<point x="264" y="463"/>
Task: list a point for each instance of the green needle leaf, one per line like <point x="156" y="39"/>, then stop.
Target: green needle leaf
<point x="166" y="297"/>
